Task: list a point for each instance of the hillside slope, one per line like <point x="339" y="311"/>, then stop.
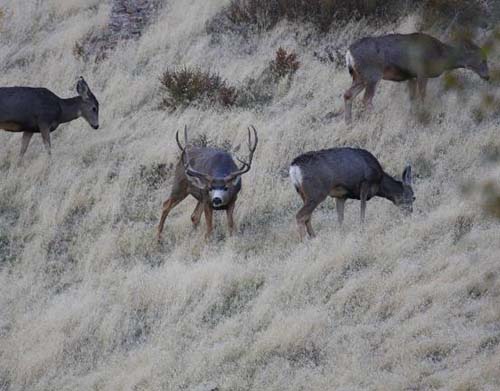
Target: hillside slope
<point x="90" y="301"/>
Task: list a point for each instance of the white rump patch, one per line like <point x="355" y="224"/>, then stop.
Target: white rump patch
<point x="296" y="176"/>
<point x="349" y="59"/>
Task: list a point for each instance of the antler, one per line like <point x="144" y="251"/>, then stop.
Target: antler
<point x="245" y="164"/>
<point x="185" y="158"/>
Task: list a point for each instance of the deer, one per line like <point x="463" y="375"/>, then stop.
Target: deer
<point x="212" y="177"/>
<point x="412" y="57"/>
<point x="33" y="110"/>
<point x="345" y="173"/>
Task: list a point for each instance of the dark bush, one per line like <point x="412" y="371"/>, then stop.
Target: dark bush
<point x="189" y="85"/>
<point x="284" y="63"/>
<point x="243" y="16"/>
<point x="265" y="14"/>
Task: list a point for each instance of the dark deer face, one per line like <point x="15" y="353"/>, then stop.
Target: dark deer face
<point x="475" y="59"/>
<point x="90" y="105"/>
<point x="221" y="191"/>
<point x="406" y="198"/>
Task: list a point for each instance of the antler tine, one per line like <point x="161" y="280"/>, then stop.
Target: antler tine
<point x="185" y="158"/>
<point x="246" y="165"/>
<point x="185" y="135"/>
<point x="178" y="142"/>
<point x="242" y="161"/>
<point x="255" y="138"/>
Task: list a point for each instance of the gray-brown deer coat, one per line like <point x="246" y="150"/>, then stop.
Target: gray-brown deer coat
<point x="344" y="173"/>
<point x="212" y="177"/>
<point x="38" y="110"/>
<point x="405" y="57"/>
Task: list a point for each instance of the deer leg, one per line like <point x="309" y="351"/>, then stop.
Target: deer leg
<point x="363" y="195"/>
<point x="304" y="219"/>
<point x="422" y="87"/>
<point x="355" y="89"/>
<point x="24" y="145"/>
<point x="168" y="205"/>
<point x="412" y="89"/>
<point x="369" y="94"/>
<point x="340" y="203"/>
<point x="309" y="228"/>
<point x="46" y="139"/>
<point x="196" y="215"/>
<point x="209" y="219"/>
<point x="230" y="217"/>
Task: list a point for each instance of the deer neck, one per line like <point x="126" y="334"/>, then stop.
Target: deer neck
<point x="454" y="57"/>
<point x="390" y="188"/>
<point x="70" y="109"/>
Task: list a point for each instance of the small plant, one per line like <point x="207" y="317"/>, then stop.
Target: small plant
<point x="2" y="16"/>
<point x="189" y="85"/>
<point x="284" y="63"/>
<point x="491" y="198"/>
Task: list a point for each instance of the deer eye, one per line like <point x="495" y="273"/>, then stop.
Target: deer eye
<point x="94" y="109"/>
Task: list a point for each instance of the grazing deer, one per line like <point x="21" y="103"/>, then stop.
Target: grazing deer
<point x="211" y="176"/>
<point x="38" y="110"/>
<point x="344" y="173"/>
<point x="405" y="57"/>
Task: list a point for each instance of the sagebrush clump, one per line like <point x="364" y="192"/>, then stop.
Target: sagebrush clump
<point x="189" y="85"/>
<point x="284" y="63"/>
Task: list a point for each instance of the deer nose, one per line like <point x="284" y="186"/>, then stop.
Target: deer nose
<point x="216" y="201"/>
<point x="95" y="126"/>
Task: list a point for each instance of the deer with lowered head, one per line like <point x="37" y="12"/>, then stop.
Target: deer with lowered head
<point x="38" y="110"/>
<point x="406" y="57"/>
<point x="212" y="177"/>
<point x="345" y="173"/>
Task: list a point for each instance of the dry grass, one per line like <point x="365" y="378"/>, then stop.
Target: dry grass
<point x="90" y="301"/>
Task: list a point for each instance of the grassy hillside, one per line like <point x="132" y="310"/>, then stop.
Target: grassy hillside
<point x="90" y="301"/>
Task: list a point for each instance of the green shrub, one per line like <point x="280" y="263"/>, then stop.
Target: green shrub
<point x="190" y="85"/>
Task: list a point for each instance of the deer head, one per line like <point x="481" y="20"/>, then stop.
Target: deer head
<point x="221" y="190"/>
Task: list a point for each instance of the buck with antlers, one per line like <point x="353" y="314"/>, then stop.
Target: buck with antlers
<point x="38" y="110"/>
<point x="212" y="177"/>
<point x="344" y="173"/>
<point x="405" y="57"/>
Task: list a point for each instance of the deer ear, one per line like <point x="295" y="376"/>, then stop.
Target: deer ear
<point x="82" y="88"/>
<point x="197" y="182"/>
<point x="407" y="175"/>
